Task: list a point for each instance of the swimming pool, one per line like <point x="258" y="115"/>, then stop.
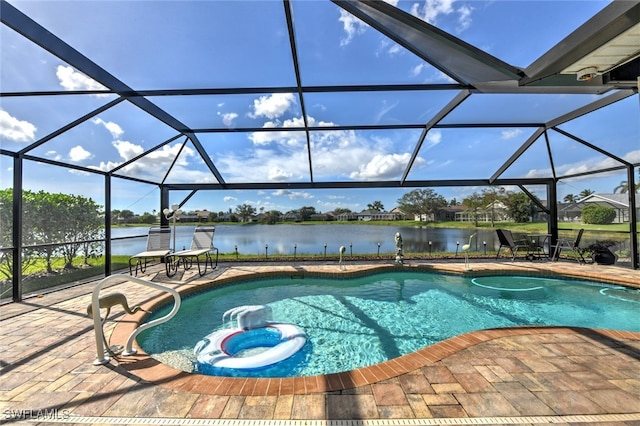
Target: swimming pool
<point x="356" y="322"/>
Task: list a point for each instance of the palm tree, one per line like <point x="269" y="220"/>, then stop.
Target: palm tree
<point x="570" y="198"/>
<point x="376" y="205"/>
<point x="623" y="188"/>
<point x="585" y="193"/>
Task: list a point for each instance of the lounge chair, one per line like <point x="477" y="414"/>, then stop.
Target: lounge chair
<point x="158" y="247"/>
<point x="574" y="246"/>
<point x="201" y="249"/>
<point x="506" y="240"/>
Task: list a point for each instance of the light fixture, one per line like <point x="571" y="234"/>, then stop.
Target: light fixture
<point x="174" y="214"/>
<point x="586" y="74"/>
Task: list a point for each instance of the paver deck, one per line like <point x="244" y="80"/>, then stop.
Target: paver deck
<point x="526" y="375"/>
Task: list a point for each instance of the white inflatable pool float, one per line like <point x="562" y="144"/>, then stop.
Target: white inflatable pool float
<point x="250" y="348"/>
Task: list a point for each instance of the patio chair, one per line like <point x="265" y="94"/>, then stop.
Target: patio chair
<point x="574" y="246"/>
<point x="158" y="247"/>
<point x="201" y="249"/>
<point x="506" y="240"/>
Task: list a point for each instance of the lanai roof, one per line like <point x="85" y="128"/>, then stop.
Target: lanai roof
<point x="303" y="118"/>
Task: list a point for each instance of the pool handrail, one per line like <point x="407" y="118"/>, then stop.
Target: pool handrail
<point x="98" y="323"/>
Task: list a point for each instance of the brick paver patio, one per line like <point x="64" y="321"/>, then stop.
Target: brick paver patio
<point x="520" y="375"/>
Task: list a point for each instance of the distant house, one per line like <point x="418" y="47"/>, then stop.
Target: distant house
<point x="322" y="216"/>
<point x="618" y="202"/>
<point x="195" y="216"/>
<point x="203" y="215"/>
<point x="367" y="215"/>
<point x="291" y="217"/>
<point x="424" y="217"/>
<point x="225" y="217"/>
<point x="569" y="212"/>
<point x="496" y="209"/>
<point x="540" y="215"/>
<point x="399" y="213"/>
<point x="448" y="213"/>
<point x="347" y="216"/>
<point x="188" y="217"/>
<point x="260" y="217"/>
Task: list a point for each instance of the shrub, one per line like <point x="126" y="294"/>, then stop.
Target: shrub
<point x="598" y="215"/>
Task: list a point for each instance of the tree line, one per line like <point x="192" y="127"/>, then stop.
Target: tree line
<point x="414" y="203"/>
<point x="53" y="226"/>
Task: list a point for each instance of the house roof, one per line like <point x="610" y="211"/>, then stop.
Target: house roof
<point x="613" y="200"/>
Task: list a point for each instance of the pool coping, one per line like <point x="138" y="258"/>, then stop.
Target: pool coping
<point x="151" y="370"/>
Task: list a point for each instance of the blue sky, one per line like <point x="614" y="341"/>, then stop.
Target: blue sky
<point x="224" y="44"/>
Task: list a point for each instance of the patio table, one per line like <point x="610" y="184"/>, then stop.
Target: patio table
<point x="536" y="246"/>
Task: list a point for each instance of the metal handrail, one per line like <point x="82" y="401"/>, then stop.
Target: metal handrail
<point x="97" y="321"/>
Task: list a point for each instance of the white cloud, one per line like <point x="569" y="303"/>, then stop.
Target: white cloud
<point x="262" y="164"/>
<point x="432" y="75"/>
<point x="272" y="106"/>
<point x="113" y="128"/>
<point x="385" y="108"/>
<point x="464" y="17"/>
<point x="432" y="10"/>
<point x="440" y="76"/>
<point x="286" y="138"/>
<point x="299" y="194"/>
<point x="415" y="71"/>
<point x="16" y="130"/>
<point x="80" y="173"/>
<point x="596" y="163"/>
<point x="227" y="118"/>
<point x="395" y="49"/>
<point x="156" y="163"/>
<point x="73" y="80"/>
<point x="53" y="155"/>
<point x="632" y="157"/>
<point x="382" y="167"/>
<point x="389" y="48"/>
<point x="78" y="153"/>
<point x="351" y="25"/>
<point x="276" y="174"/>
<point x="127" y="150"/>
<point x="511" y="133"/>
<point x="433" y="138"/>
<point x="319" y="107"/>
<point x="283" y="156"/>
<point x="292" y="195"/>
<point x="230" y="199"/>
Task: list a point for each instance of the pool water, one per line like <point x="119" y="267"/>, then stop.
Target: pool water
<point x="356" y="322"/>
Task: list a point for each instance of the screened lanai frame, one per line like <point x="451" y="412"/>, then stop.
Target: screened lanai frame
<point x="472" y="73"/>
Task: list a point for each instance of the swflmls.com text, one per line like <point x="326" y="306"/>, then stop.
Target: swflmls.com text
<point x="43" y="414"/>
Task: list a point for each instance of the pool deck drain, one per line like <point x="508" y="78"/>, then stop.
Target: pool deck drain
<point x="527" y="375"/>
<point x="529" y="420"/>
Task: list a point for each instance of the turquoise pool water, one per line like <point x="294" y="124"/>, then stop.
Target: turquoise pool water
<point x="356" y="322"/>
